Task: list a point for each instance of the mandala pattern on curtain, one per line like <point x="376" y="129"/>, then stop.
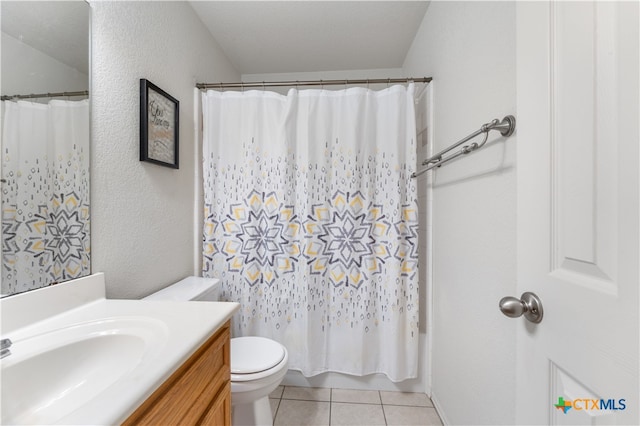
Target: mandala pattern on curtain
<point x="316" y="234"/>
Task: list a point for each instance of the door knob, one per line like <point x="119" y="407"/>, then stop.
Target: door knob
<point x="528" y="305"/>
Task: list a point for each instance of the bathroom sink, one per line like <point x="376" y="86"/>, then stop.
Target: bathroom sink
<point x="52" y="373"/>
<point x="78" y="358"/>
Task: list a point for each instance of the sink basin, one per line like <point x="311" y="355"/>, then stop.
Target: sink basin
<point x="51" y="374"/>
<point x="80" y="359"/>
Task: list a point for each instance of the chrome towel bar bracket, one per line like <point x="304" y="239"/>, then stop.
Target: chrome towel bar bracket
<point x="5" y="344"/>
<point x="506" y="127"/>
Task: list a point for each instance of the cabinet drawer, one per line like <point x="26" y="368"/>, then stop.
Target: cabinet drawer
<point x="190" y="391"/>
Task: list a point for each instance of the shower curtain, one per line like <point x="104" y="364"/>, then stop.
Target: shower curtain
<point x="45" y="193"/>
<point x="311" y="223"/>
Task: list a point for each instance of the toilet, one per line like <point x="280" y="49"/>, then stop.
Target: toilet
<point x="258" y="365"/>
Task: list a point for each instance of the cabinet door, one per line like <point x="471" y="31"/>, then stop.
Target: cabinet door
<point x="220" y="411"/>
<point x="192" y="390"/>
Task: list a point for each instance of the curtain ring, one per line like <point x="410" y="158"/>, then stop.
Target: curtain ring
<point x="221" y="88"/>
<point x="263" y="85"/>
<point x="321" y="85"/>
<point x="388" y="82"/>
<point x="367" y="84"/>
<point x="297" y="84"/>
<point x="242" y="86"/>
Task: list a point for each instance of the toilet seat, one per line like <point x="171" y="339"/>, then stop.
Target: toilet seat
<point x="253" y="357"/>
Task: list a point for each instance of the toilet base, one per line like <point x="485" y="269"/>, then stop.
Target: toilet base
<point x="257" y="413"/>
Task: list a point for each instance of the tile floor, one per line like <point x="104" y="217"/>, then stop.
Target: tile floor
<point x="300" y="406"/>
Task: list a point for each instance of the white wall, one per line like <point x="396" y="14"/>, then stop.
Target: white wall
<point x="143" y="234"/>
<point x="27" y="70"/>
<point x="469" y="50"/>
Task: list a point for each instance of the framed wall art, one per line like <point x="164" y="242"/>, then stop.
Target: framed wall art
<point x="159" y="126"/>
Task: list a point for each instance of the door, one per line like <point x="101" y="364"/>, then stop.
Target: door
<point x="578" y="217"/>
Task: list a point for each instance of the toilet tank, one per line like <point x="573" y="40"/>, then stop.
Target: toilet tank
<point x="190" y="288"/>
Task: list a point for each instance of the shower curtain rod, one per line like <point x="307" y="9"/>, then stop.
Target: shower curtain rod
<point x="45" y="95"/>
<point x="263" y="84"/>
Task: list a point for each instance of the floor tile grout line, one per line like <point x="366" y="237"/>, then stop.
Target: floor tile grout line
<point x="411" y="406"/>
<point x="279" y="403"/>
<point x="342" y="402"/>
<point x="384" y="414"/>
<point x="353" y="402"/>
<point x="307" y="400"/>
<point x="276" y="413"/>
<point x="330" y="404"/>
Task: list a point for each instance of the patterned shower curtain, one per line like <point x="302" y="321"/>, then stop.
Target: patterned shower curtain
<point x="45" y="193"/>
<point x="311" y="223"/>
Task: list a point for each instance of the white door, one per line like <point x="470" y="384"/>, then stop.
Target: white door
<point x="578" y="216"/>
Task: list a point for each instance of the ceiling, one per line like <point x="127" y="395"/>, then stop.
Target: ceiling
<point x="258" y="37"/>
<point x="262" y="37"/>
<point x="59" y="29"/>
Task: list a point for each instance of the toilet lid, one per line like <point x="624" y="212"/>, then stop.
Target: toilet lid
<point x="254" y="354"/>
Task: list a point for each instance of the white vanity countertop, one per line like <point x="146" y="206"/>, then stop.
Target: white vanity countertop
<point x="175" y="331"/>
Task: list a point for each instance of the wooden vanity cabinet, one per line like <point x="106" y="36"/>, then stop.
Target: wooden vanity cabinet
<point x="198" y="393"/>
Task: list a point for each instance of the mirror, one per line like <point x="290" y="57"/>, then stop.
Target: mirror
<point x="44" y="144"/>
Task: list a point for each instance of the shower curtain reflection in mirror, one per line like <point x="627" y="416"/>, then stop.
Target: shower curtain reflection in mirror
<point x="45" y="193"/>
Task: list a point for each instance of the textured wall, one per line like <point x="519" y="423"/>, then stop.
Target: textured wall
<point x="143" y="234"/>
<point x="469" y="50"/>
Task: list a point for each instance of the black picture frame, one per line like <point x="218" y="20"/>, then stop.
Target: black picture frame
<point x="159" y="126"/>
